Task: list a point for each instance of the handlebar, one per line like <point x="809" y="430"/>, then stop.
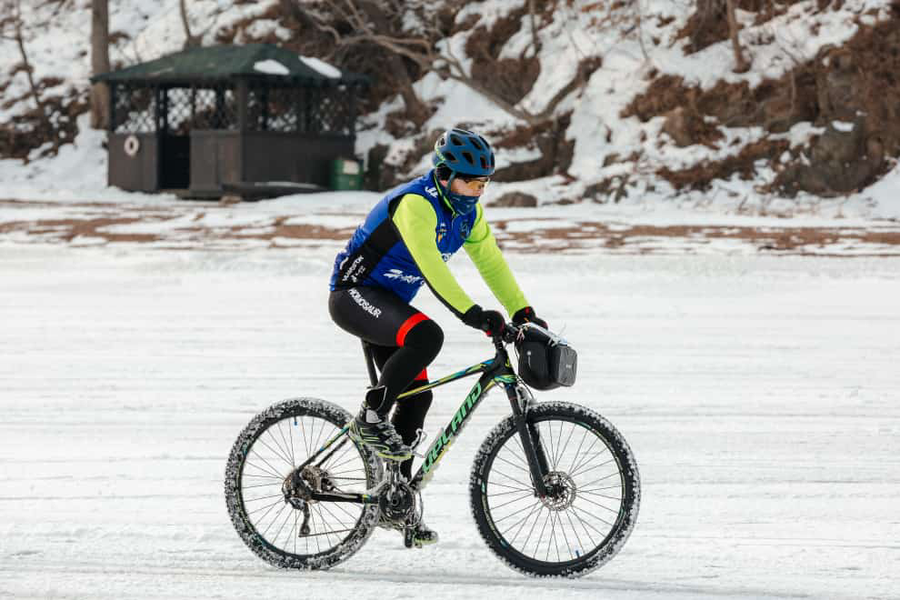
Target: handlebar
<point x="512" y="332"/>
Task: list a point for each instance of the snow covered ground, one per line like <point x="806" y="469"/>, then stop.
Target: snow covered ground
<point x="759" y="393"/>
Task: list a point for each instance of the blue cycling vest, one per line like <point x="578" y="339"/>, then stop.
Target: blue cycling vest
<point x="376" y="254"/>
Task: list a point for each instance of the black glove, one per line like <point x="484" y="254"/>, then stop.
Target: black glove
<point x="489" y="321"/>
<point x="526" y="315"/>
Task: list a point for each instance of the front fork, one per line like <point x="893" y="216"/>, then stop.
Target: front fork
<point x="520" y="398"/>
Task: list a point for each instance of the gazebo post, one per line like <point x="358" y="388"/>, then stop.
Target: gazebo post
<point x="111" y="126"/>
<point x="243" y="98"/>
<point x="351" y="125"/>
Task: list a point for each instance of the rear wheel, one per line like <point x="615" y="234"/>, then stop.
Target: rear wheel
<point x="593" y="499"/>
<point x="280" y="528"/>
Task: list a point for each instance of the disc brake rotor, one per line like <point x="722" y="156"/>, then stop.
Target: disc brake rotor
<point x="561" y="491"/>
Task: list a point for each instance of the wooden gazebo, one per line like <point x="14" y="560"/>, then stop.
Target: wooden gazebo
<point x="207" y="121"/>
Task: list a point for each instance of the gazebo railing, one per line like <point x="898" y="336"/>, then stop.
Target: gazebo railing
<point x="178" y="109"/>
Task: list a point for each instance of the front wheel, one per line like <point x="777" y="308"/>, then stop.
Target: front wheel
<point x="593" y="492"/>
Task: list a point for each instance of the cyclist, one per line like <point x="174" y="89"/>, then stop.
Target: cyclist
<point x="403" y="244"/>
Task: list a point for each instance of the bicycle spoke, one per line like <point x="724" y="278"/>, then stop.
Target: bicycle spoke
<point x="526" y="492"/>
<point x="512" y="464"/>
<point x="277" y="515"/>
<point x="334" y="467"/>
<point x="578" y="451"/>
<point x="341" y="506"/>
<point x="519" y="455"/>
<point x="615" y="512"/>
<point x="296" y="528"/>
<point x="562" y="528"/>
<point x="552" y="537"/>
<point x="337" y="518"/>
<point x="600" y="495"/>
<point x="546" y="435"/>
<point x="317" y="445"/>
<point x="288" y="443"/>
<point x="558" y="454"/>
<point x="262" y="470"/>
<point x="337" y="474"/>
<point x="543" y="529"/>
<point x="267" y="506"/>
<point x="303" y="434"/>
<point x="510" y="487"/>
<point x="522" y="522"/>
<point x="566" y="446"/>
<point x="608" y="487"/>
<point x="591" y="468"/>
<point x="590" y="514"/>
<point x="603" y="478"/>
<point x="273" y="470"/>
<point x="329" y="531"/>
<point x="576" y="464"/>
<point x="518" y="512"/>
<point x="280" y="529"/>
<point x="254" y="476"/>
<point x="508" y="503"/>
<point x="311" y="535"/>
<point x="513" y="479"/>
<point x="574" y="530"/>
<point x="281" y="452"/>
<point x="261" y="485"/>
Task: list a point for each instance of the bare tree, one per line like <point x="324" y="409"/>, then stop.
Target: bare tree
<point x="741" y="64"/>
<point x="535" y="40"/>
<point x="12" y="28"/>
<point x="366" y="23"/>
<point x="99" y="63"/>
<point x="192" y="40"/>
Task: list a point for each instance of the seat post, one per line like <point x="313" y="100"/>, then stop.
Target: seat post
<point x="370" y="362"/>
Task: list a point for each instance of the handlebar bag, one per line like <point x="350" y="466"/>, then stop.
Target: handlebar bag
<point x="543" y="364"/>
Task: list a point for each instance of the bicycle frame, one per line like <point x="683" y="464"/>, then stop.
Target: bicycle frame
<point x="496" y="371"/>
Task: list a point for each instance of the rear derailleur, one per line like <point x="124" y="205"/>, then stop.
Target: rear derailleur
<point x="299" y="487"/>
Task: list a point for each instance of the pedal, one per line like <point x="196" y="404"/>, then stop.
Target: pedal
<point x="409" y="538"/>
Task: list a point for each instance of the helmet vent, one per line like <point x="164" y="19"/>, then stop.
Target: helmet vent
<point x="469" y="158"/>
<point x="455" y="140"/>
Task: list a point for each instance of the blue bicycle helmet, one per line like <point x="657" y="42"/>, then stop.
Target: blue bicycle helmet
<point x="465" y="154"/>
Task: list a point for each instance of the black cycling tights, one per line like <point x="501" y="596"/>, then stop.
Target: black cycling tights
<point x="404" y="342"/>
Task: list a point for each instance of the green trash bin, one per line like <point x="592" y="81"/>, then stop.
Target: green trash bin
<point x="346" y="174"/>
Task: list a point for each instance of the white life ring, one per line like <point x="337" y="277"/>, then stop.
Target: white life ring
<point x="132" y="145"/>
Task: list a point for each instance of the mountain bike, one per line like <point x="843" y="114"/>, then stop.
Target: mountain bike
<point x="554" y="488"/>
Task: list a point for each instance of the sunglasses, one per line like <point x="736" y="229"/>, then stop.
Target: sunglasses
<point x="474" y="179"/>
<point x="478" y="183"/>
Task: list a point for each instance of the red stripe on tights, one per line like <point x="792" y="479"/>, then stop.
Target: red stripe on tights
<point x="407" y="325"/>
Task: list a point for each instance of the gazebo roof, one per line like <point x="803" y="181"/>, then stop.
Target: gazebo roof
<point x="220" y="63"/>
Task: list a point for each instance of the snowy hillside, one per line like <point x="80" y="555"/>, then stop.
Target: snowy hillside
<point x="616" y="81"/>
